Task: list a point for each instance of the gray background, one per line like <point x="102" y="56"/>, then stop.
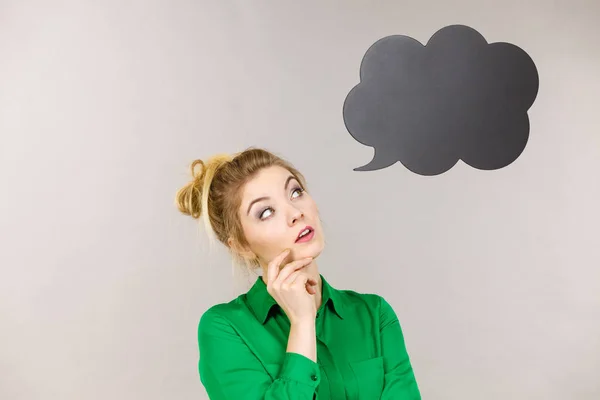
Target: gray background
<point x="495" y="275"/>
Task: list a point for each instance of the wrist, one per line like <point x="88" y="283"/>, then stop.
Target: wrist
<point x="304" y="322"/>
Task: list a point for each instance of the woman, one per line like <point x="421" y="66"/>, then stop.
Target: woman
<point x="292" y="335"/>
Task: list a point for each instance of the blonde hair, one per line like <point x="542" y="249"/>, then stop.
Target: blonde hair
<point x="214" y="193"/>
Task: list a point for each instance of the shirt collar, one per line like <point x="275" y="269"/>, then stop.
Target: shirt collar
<point x="261" y="302"/>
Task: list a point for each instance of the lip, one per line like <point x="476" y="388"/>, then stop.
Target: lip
<point x="306" y="237"/>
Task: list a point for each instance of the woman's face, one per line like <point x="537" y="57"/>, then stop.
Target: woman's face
<point x="276" y="214"/>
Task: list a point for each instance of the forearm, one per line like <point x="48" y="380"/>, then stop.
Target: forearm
<point x="303" y="339"/>
<point x="229" y="370"/>
<point x="400" y="382"/>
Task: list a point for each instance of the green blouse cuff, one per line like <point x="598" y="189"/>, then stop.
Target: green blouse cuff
<point x="299" y="368"/>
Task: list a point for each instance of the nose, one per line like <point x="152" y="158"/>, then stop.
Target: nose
<point x="295" y="215"/>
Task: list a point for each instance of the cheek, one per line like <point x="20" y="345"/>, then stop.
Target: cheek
<point x="267" y="239"/>
<point x="314" y="211"/>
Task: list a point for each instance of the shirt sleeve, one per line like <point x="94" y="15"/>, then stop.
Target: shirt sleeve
<point x="230" y="371"/>
<point x="400" y="382"/>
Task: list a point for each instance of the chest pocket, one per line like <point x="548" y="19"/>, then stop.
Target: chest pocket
<point x="369" y="377"/>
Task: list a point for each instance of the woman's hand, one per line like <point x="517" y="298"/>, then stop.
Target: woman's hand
<point x="292" y="288"/>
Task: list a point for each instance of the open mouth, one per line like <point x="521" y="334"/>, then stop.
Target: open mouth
<point x="305" y="234"/>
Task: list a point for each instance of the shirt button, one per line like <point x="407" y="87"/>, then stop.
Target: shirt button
<point x="313" y="377"/>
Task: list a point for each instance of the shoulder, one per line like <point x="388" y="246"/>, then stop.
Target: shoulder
<point x="372" y="306"/>
<point x="376" y="303"/>
<point x="354" y="296"/>
<point x="219" y="317"/>
<point x="372" y="301"/>
<point x="370" y="298"/>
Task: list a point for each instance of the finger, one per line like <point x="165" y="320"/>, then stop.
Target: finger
<point x="291" y="267"/>
<point x="273" y="267"/>
<point x="303" y="280"/>
<point x="309" y="284"/>
<point x="300" y="279"/>
<point x="289" y="281"/>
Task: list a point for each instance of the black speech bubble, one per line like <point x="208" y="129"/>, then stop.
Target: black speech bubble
<point x="456" y="98"/>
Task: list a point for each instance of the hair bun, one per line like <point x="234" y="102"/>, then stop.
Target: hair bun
<point x="192" y="199"/>
<point x="188" y="198"/>
<point x="199" y="175"/>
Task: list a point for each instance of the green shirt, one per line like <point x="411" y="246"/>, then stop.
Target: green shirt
<point x="361" y="354"/>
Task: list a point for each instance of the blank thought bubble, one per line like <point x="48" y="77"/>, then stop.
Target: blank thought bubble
<point x="456" y="98"/>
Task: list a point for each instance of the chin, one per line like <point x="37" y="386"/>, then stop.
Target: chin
<point x="314" y="251"/>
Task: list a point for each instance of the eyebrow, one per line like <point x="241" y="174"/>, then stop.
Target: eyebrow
<point x="287" y="182"/>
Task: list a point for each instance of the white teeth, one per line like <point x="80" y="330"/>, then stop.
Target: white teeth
<point x="303" y="233"/>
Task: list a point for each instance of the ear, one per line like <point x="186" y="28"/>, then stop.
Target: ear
<point x="242" y="251"/>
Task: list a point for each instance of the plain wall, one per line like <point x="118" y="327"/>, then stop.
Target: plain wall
<point x="495" y="275"/>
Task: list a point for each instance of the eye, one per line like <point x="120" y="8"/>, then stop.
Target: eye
<point x="299" y="190"/>
<point x="261" y="215"/>
<point x="269" y="211"/>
